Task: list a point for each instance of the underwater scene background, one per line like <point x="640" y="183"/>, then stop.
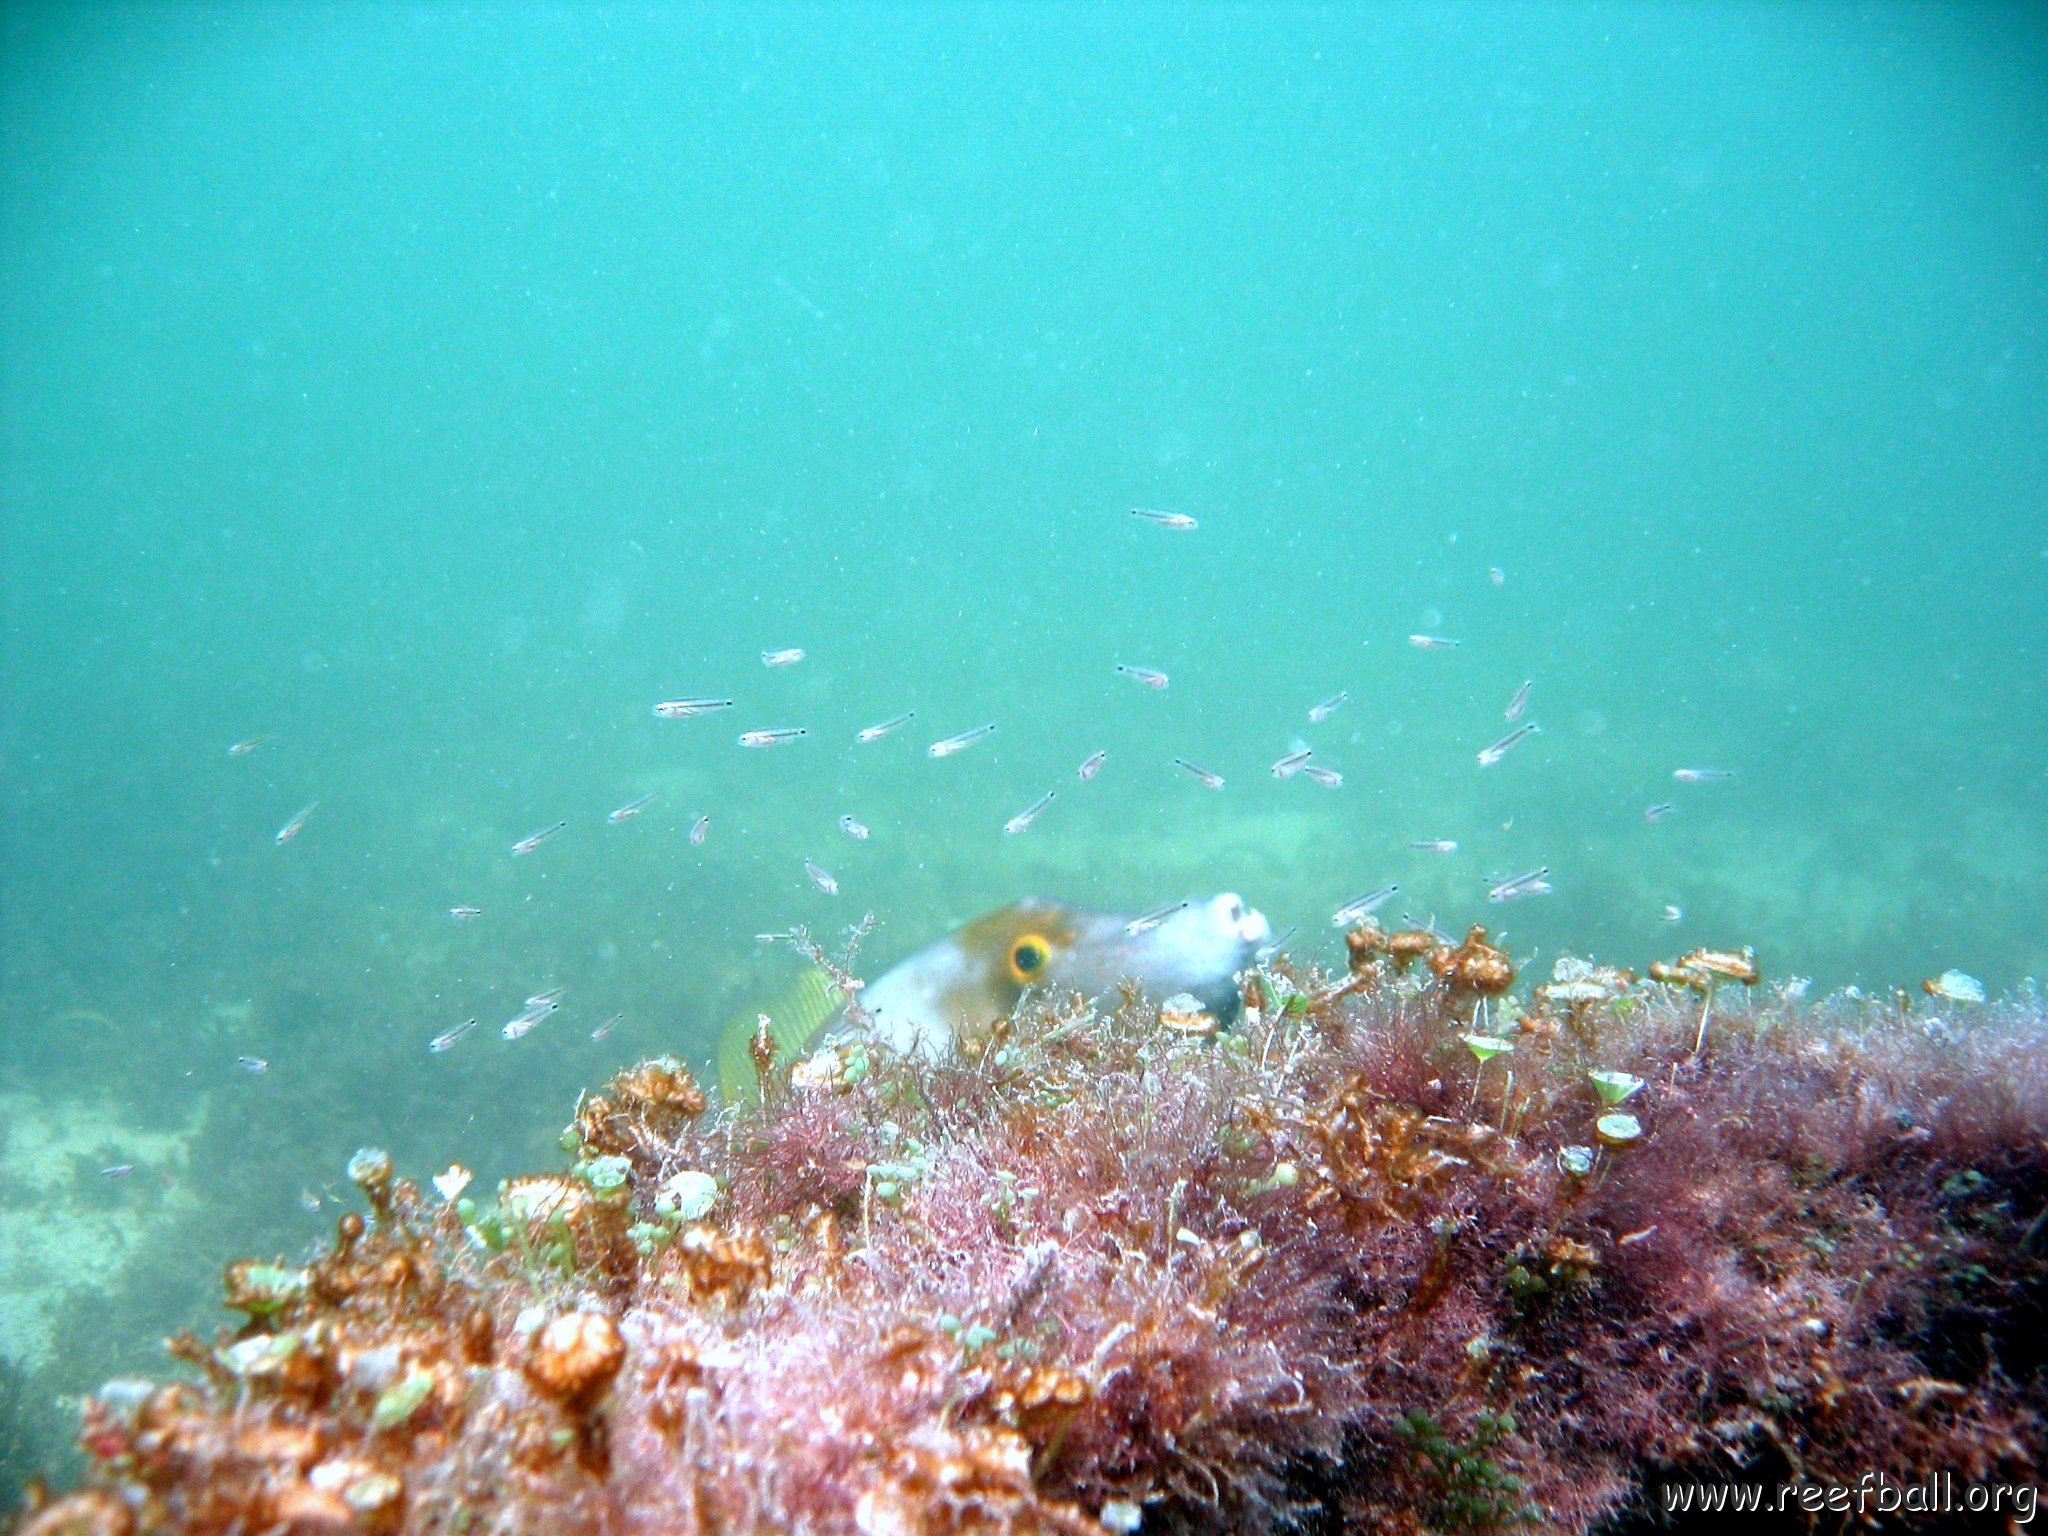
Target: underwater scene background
<point x="425" y="394"/>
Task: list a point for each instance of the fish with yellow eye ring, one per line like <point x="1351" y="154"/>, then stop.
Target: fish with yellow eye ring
<point x="977" y="975"/>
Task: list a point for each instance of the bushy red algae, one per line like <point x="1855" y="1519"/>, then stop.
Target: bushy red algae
<point x="1372" y="1260"/>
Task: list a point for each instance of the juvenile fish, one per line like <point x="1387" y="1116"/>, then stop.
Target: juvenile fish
<point x="1532" y="883"/>
<point x="853" y="829"/>
<point x="464" y="914"/>
<point x="1145" y="922"/>
<point x="1318" y="713"/>
<point x="1029" y="814"/>
<point x="296" y="825"/>
<point x="1702" y="775"/>
<point x="1494" y="752"/>
<point x="1433" y="643"/>
<point x="1329" y="778"/>
<point x="877" y="732"/>
<point x="610" y="1024"/>
<point x="1158" y="519"/>
<point x="820" y="879"/>
<point x="689" y="709"/>
<point x="118" y="1171"/>
<point x="1435" y="845"/>
<point x="1287" y="767"/>
<point x="549" y="999"/>
<point x="1496" y="575"/>
<point x="1092" y="766"/>
<point x="533" y="840"/>
<point x="255" y="1066"/>
<point x="788" y="656"/>
<point x="1362" y="907"/>
<point x="631" y="808"/>
<point x="961" y="742"/>
<point x="1656" y="813"/>
<point x="772" y="738"/>
<point x="1151" y="677"/>
<point x="521" y="1026"/>
<point x="447" y="1038"/>
<point x="699" y="830"/>
<point x="1673" y="914"/>
<point x="1519" y="702"/>
<point x="244" y="748"/>
<point x="1209" y="780"/>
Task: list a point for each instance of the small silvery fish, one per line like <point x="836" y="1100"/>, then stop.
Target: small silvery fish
<point x="699" y="830"/>
<point x="1702" y="775"/>
<point x="689" y="709"/>
<point x="820" y="879"/>
<point x="1160" y="519"/>
<point x="244" y="748"/>
<point x="548" y="999"/>
<point x="1433" y="643"/>
<point x="604" y="1030"/>
<point x="1435" y="845"/>
<point x="1208" y="780"/>
<point x="1318" y="713"/>
<point x="464" y="914"/>
<point x="789" y="656"/>
<point x="961" y="742"/>
<point x="118" y="1171"/>
<point x="1656" y="813"/>
<point x="853" y="829"/>
<point x="1363" y="907"/>
<point x="1496" y="575"/>
<point x="1673" y="914"/>
<point x="296" y="825"/>
<point x="772" y="738"/>
<point x="877" y="732"/>
<point x="1329" y="778"/>
<point x="1092" y="766"/>
<point x="1494" y="752"/>
<point x="631" y="808"/>
<point x="255" y="1066"/>
<point x="1531" y="884"/>
<point x="1029" y="814"/>
<point x="1145" y="922"/>
<point x="447" y="1038"/>
<point x="518" y="1028"/>
<point x="1151" y="677"/>
<point x="1519" y="702"/>
<point x="1287" y="767"/>
<point x="533" y="840"/>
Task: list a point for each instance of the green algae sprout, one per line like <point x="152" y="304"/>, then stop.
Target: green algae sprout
<point x="1614" y="1088"/>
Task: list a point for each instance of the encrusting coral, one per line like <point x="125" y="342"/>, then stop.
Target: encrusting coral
<point x="1396" y="1252"/>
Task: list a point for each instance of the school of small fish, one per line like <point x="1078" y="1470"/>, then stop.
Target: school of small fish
<point x="1295" y="762"/>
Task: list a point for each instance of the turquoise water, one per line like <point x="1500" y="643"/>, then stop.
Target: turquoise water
<point x="433" y="392"/>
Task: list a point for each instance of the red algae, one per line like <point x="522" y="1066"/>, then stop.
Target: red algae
<point x="1397" y="1253"/>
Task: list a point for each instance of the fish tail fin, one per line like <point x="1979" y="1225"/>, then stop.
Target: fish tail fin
<point x="794" y="1019"/>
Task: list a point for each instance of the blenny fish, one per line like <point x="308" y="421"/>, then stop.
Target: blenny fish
<point x="977" y="974"/>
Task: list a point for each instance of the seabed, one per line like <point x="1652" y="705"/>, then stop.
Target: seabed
<point x="1411" y="1246"/>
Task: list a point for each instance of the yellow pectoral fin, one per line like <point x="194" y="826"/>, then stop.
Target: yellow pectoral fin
<point x="794" y="1019"/>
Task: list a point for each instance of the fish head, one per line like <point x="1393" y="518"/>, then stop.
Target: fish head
<point x="979" y="974"/>
<point x="972" y="977"/>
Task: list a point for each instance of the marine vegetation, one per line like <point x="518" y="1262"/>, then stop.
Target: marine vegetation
<point x="1397" y="1251"/>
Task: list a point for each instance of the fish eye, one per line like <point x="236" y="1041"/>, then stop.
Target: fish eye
<point x="1028" y="956"/>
